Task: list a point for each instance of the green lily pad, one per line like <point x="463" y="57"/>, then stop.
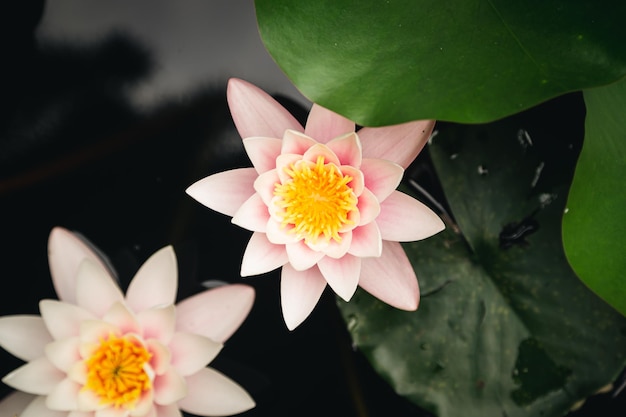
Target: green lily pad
<point x="384" y="62"/>
<point x="504" y="327"/>
<point x="594" y="228"/>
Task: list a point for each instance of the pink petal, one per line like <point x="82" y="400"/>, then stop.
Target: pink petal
<point x="403" y="219"/>
<point x="95" y="289"/>
<point x="318" y="150"/>
<point x="263" y="152"/>
<point x="158" y="323"/>
<point x="301" y="257"/>
<point x="341" y="274"/>
<point x="169" y="387"/>
<point x="336" y="249"/>
<point x="284" y="163"/>
<point x="252" y="215"/>
<point x="65" y="253"/>
<point x="348" y="149"/>
<point x="262" y="256"/>
<point x="63" y="353"/>
<point x="38" y="408"/>
<point x="156" y="282"/>
<point x="212" y="394"/>
<point x="369" y="207"/>
<point x="264" y="185"/>
<point x="63" y="320"/>
<point x="35" y="377"/>
<point x="324" y="125"/>
<point x="381" y="177"/>
<point x="215" y="313"/>
<point x="24" y="336"/>
<point x="295" y="142"/>
<point x="279" y="235"/>
<point x="256" y="113"/>
<point x="225" y="191"/>
<point x="391" y="278"/>
<point x="366" y="241"/>
<point x="64" y="396"/>
<point x="123" y="319"/>
<point x="161" y="356"/>
<point x="398" y="143"/>
<point x="143" y="408"/>
<point x="299" y="293"/>
<point x="171" y="410"/>
<point x="358" y="180"/>
<point x="192" y="352"/>
<point x="14" y="403"/>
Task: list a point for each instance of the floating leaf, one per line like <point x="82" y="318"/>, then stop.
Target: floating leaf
<point x="504" y="328"/>
<point x="594" y="228"/>
<point x="384" y="62"/>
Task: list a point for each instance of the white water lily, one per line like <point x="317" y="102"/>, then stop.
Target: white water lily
<point x="96" y="352"/>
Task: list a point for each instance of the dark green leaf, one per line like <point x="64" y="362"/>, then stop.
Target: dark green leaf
<point x="594" y="228"/>
<point x="384" y="62"/>
<point x="504" y="328"/>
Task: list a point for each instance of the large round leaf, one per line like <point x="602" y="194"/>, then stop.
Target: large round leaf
<point x="384" y="62"/>
<point x="594" y="228"/>
<point x="504" y="328"/>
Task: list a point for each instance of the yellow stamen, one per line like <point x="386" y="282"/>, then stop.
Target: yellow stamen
<point x="115" y="372"/>
<point x="316" y="201"/>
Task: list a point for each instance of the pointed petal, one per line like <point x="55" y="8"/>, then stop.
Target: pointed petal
<point x="358" y="180"/>
<point x="192" y="352"/>
<point x="144" y="407"/>
<point x="95" y="289"/>
<point x="366" y="241"/>
<point x="324" y="125"/>
<point x="38" y="408"/>
<point x="92" y="332"/>
<point x="171" y="410"/>
<point x="252" y="215"/>
<point x="264" y="185"/>
<point x="300" y="292"/>
<point x="348" y="149"/>
<point x="318" y="150"/>
<point x="391" y="278"/>
<point x="279" y="235"/>
<point x="35" y="377"/>
<point x="225" y="191"/>
<point x="284" y="164"/>
<point x="398" y="143"/>
<point x="169" y="387"/>
<point x="215" y="313"/>
<point x="156" y="282"/>
<point x="262" y="256"/>
<point x="158" y="323"/>
<point x="404" y="219"/>
<point x="65" y="253"/>
<point x="262" y="152"/>
<point x="161" y="356"/>
<point x="64" y="396"/>
<point x="296" y="142"/>
<point x="63" y="320"/>
<point x="302" y="257"/>
<point x="381" y="177"/>
<point x="212" y="394"/>
<point x="341" y="274"/>
<point x="24" y="336"/>
<point x="122" y="319"/>
<point x="335" y="249"/>
<point x="256" y="113"/>
<point x="14" y="403"/>
<point x="369" y="207"/>
<point x="63" y="353"/>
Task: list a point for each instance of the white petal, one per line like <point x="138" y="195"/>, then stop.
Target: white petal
<point x="213" y="394"/>
<point x="391" y="278"/>
<point x="156" y="282"/>
<point x="122" y="318"/>
<point x="38" y="408"/>
<point x="63" y="320"/>
<point x="161" y="356"/>
<point x="95" y="289"/>
<point x="64" y="396"/>
<point x="299" y="293"/>
<point x="341" y="274"/>
<point x="63" y="353"/>
<point x="225" y="191"/>
<point x="35" y="377"/>
<point x="262" y="256"/>
<point x="169" y="387"/>
<point x="171" y="410"/>
<point x="158" y="323"/>
<point x="65" y="253"/>
<point x="192" y="352"/>
<point x="215" y="313"/>
<point x="252" y="215"/>
<point x="14" y="403"/>
<point x="24" y="336"/>
<point x="403" y="219"/>
<point x="301" y="257"/>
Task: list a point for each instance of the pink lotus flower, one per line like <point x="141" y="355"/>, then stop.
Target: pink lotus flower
<point x="98" y="353"/>
<point x="322" y="202"/>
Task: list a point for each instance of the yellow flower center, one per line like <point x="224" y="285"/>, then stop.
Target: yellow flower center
<point x="316" y="201"/>
<point x="115" y="372"/>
